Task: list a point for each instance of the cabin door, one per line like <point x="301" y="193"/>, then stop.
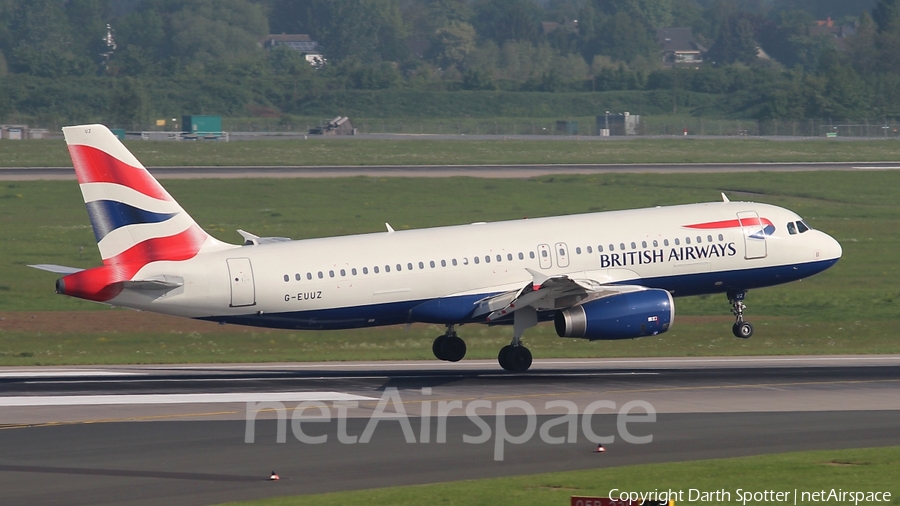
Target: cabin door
<point x="243" y="291"/>
<point x="754" y="235"/>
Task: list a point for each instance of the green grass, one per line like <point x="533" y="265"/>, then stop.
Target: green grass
<point x="858" y="470"/>
<point x="852" y="308"/>
<point x="52" y="153"/>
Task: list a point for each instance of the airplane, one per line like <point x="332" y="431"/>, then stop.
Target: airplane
<point x="597" y="276"/>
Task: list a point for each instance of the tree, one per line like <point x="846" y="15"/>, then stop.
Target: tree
<point x="43" y="42"/>
<point x="507" y="20"/>
<point x="452" y="43"/>
<point x="886" y="15"/>
<point x="653" y="13"/>
<point x="735" y="43"/>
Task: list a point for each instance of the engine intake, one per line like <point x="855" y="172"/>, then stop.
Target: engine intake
<point x="624" y="316"/>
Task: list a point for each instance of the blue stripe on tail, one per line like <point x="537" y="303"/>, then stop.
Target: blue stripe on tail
<point x="108" y="215"/>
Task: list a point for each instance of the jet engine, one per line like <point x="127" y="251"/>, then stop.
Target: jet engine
<point x="624" y="316"/>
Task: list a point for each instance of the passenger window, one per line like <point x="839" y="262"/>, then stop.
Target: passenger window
<point x="321" y="275"/>
<point x="330" y="274"/>
<point x="375" y="269"/>
<point x="509" y="256"/>
<point x="544" y="253"/>
<point x="699" y="240"/>
<point x="677" y="242"/>
<point x="655" y="243"/>
<point x="365" y="270"/>
<point x="665" y="242"/>
<point x="633" y="246"/>
<point x="687" y="240"/>
<point x="499" y="258"/>
<point x="802" y="226"/>
<point x="709" y="238"/>
<point x="399" y="267"/>
<point x="578" y="250"/>
<point x="721" y="237"/>
<point x="612" y="247"/>
<point x="443" y="263"/>
<point x="643" y="244"/>
<point x="454" y="262"/>
<point x="343" y="273"/>
<point x="791" y="228"/>
<point x="309" y="275"/>
<point x="599" y="248"/>
<point x="521" y="256"/>
<point x="286" y="278"/>
<point x="487" y="258"/>
<point x="409" y="266"/>
<point x="621" y="246"/>
<point x="421" y="265"/>
<point x="465" y="260"/>
<point x="477" y="260"/>
<point x="387" y="268"/>
<point x="298" y="277"/>
<point x="431" y="263"/>
<point x="353" y="271"/>
<point x="531" y="255"/>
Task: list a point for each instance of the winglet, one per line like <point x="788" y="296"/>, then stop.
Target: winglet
<point x="724" y="198"/>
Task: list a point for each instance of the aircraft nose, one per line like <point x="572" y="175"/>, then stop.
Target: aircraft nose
<point x="831" y="249"/>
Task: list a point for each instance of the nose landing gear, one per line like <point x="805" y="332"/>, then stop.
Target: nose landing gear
<point x="741" y="328"/>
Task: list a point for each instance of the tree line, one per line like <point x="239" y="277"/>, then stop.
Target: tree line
<point x="128" y="61"/>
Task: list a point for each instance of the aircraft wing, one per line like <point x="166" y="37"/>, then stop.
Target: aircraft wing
<point x="548" y="292"/>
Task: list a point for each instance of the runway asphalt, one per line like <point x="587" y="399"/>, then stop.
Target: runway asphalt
<point x="178" y="434"/>
<point x="484" y="171"/>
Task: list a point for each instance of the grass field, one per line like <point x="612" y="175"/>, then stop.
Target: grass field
<point x="858" y="470"/>
<point x="852" y="308"/>
<point x="52" y="153"/>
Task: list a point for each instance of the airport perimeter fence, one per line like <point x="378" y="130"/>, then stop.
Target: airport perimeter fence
<point x="588" y="126"/>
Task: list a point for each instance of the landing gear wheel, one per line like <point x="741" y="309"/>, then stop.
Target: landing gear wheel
<point x="438" y="346"/>
<point x="449" y="347"/>
<point x="503" y="356"/>
<point x="515" y="358"/>
<point x="453" y="349"/>
<point x="742" y="329"/>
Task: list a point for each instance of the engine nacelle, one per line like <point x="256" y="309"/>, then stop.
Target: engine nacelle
<point x="624" y="316"/>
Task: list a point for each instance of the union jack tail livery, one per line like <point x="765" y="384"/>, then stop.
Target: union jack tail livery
<point x="135" y="220"/>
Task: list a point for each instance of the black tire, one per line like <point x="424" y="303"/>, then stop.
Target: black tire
<point x="453" y="349"/>
<point x="518" y="359"/>
<point x="742" y="330"/>
<point x="438" y="347"/>
<point x="503" y="357"/>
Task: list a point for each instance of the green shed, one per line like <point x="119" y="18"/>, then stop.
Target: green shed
<point x="201" y="125"/>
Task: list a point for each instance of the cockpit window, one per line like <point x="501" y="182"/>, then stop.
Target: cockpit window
<point x="791" y="228"/>
<point x="802" y="227"/>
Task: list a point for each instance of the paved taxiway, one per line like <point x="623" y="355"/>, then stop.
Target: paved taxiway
<point x="484" y="171"/>
<point x="133" y="449"/>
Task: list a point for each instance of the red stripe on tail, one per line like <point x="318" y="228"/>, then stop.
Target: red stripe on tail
<point x="95" y="166"/>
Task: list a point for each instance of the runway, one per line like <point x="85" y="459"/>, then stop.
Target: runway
<point x="482" y="171"/>
<point x="135" y="447"/>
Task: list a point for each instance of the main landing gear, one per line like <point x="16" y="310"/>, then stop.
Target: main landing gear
<point x="740" y="328"/>
<point x="514" y="357"/>
<point x="449" y="346"/>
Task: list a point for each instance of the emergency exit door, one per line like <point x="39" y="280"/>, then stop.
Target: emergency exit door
<point x="243" y="291"/>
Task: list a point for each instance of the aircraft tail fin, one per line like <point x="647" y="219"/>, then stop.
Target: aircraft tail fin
<point x="134" y="218"/>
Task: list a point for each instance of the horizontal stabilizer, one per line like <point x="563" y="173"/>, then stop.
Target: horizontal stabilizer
<point x="58" y="269"/>
<point x="156" y="283"/>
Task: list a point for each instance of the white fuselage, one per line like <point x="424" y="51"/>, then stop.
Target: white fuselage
<point x="380" y="278"/>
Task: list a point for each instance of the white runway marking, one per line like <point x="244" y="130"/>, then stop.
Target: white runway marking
<point x="106" y="400"/>
<point x="74" y="373"/>
<point x="877" y="168"/>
